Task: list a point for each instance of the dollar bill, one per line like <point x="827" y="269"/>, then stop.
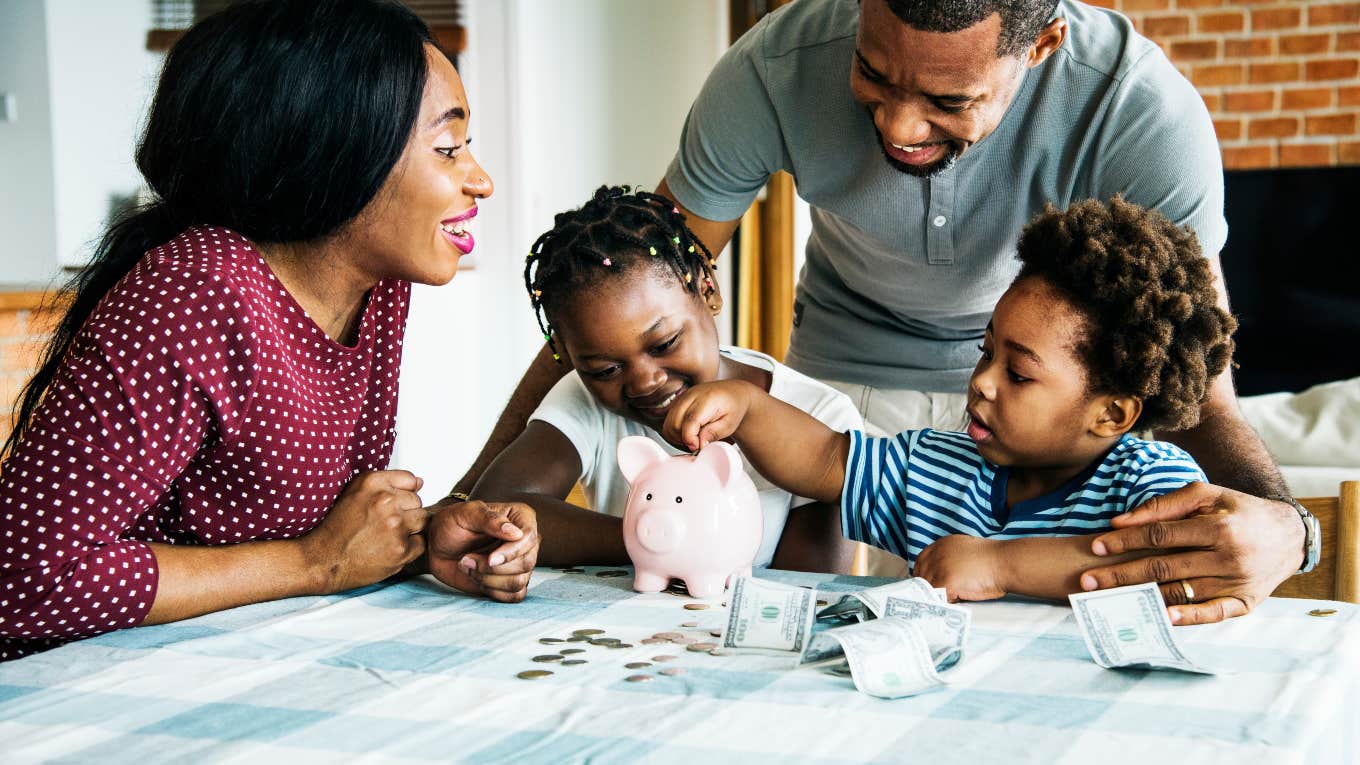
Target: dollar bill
<point x="944" y="626"/>
<point x="887" y="657"/>
<point x="768" y="615"/>
<point x="867" y="604"/>
<point x="1128" y="627"/>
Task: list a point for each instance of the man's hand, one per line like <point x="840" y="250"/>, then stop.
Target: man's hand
<point x="707" y="413"/>
<point x="968" y="568"/>
<point x="1232" y="548"/>
<point x="485" y="548"/>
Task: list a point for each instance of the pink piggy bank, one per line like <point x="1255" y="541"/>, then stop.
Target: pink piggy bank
<point x="695" y="518"/>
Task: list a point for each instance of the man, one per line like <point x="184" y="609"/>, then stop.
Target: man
<point x="924" y="134"/>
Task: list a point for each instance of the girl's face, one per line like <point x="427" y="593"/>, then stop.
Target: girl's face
<point x="1028" y="404"/>
<point x="420" y="222"/>
<point x="639" y="342"/>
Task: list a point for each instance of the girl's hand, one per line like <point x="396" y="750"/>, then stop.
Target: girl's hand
<point x="485" y="548"/>
<point x="371" y="531"/>
<point x="707" y="413"/>
<point x="968" y="568"/>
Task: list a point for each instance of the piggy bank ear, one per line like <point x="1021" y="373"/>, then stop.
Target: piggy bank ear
<point x="637" y="453"/>
<point x="721" y="458"/>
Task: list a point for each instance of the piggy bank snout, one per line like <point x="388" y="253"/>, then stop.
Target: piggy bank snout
<point x="661" y="532"/>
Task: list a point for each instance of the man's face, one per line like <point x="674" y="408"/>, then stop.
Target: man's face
<point x="931" y="95"/>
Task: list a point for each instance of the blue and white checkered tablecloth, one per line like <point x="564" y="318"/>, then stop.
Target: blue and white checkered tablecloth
<point x="410" y="672"/>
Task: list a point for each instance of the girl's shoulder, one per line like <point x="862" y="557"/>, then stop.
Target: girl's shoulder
<point x="809" y="394"/>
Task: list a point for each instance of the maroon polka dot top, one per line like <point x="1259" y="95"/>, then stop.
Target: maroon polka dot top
<point x="199" y="404"/>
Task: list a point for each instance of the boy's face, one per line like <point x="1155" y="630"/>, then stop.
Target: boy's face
<point x="639" y="342"/>
<point x="1028" y="405"/>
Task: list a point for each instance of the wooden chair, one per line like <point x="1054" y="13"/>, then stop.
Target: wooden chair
<point x="1337" y="576"/>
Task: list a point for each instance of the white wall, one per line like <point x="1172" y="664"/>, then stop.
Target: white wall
<point x="102" y="78"/>
<point x="27" y="217"/>
<point x="565" y="96"/>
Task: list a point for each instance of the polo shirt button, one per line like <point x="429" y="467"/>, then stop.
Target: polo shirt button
<point x="939" y="221"/>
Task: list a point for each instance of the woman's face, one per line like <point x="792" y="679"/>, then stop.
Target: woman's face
<point x="420" y="222"/>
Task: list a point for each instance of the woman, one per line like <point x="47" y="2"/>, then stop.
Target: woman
<point x="212" y="419"/>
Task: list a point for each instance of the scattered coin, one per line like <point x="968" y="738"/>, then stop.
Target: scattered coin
<point x="551" y="641"/>
<point x="639" y="678"/>
<point x="570" y="651"/>
<point x="715" y="633"/>
<point x="605" y="641"/>
<point x="653" y="641"/>
<point x="682" y="640"/>
<point x="720" y="652"/>
<point x="1322" y="612"/>
<point x="822" y="604"/>
<point x="547" y="657"/>
<point x="663" y="657"/>
<point x="533" y="674"/>
<point x="690" y="625"/>
<point x="638" y="664"/>
<point x="587" y="632"/>
<point x="611" y="573"/>
<point x="673" y="671"/>
<point x="573" y="662"/>
<point x="622" y="645"/>
<point x="668" y="635"/>
<point x="701" y="647"/>
<point x="696" y="606"/>
<point x="579" y="639"/>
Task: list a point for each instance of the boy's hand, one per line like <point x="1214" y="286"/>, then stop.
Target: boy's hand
<point x="486" y="548"/>
<point x="968" y="568"/>
<point x="707" y="413"/>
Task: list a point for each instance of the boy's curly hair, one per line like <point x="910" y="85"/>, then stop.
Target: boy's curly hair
<point x="1155" y="328"/>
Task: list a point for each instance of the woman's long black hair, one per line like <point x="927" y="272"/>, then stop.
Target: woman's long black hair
<point x="278" y="119"/>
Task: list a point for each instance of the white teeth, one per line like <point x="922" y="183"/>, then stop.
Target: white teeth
<point x="458" y="229"/>
<point x="668" y="401"/>
<point x="908" y="149"/>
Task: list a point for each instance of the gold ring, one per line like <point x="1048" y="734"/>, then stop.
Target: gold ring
<point x="1188" y="590"/>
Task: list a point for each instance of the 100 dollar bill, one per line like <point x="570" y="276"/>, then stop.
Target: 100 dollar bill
<point x="768" y="615"/>
<point x="1128" y="627"/>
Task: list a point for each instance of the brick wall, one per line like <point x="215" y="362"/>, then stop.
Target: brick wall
<point x="1281" y="79"/>
<point x="24" y="328"/>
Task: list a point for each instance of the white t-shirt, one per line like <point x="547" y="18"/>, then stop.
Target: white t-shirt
<point x="596" y="432"/>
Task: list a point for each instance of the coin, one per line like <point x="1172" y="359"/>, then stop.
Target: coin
<point x="696" y="606"/>
<point x="1322" y="612"/>
<point x="622" y="645"/>
<point x="551" y="641"/>
<point x="720" y="652"/>
<point x="715" y="633"/>
<point x="573" y="662"/>
<point x="533" y="674"/>
<point x="579" y="639"/>
<point x="639" y="678"/>
<point x="605" y="641"/>
<point x="690" y="624"/>
<point x="653" y="641"/>
<point x="663" y="657"/>
<point x="611" y="573"/>
<point x="682" y="640"/>
<point x="673" y="671"/>
<point x="569" y="651"/>
<point x="638" y="664"/>
<point x="822" y="604"/>
<point x="587" y="633"/>
<point x="547" y="657"/>
<point x="668" y="635"/>
<point x="701" y="647"/>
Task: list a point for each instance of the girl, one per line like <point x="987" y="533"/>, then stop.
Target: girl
<point x="211" y="423"/>
<point x="1111" y="323"/>
<point x="624" y="292"/>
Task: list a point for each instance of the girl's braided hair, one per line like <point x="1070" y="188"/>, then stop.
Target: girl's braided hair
<point x="1155" y="328"/>
<point x="615" y="232"/>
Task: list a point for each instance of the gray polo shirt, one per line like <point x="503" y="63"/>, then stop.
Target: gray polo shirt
<point x="902" y="272"/>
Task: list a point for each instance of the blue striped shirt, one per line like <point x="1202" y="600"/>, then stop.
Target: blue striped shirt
<point x="903" y="492"/>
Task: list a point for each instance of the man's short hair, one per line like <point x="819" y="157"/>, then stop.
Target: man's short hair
<point x="1021" y="20"/>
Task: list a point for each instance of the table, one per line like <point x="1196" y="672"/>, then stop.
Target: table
<point x="411" y="671"/>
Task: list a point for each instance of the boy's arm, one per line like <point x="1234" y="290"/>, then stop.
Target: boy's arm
<point x="791" y="448"/>
<point x="539" y="469"/>
<point x="972" y="568"/>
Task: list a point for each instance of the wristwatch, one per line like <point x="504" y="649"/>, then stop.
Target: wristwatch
<point x="1312" y="533"/>
<point x="463" y="497"/>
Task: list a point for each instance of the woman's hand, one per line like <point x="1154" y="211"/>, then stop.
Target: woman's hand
<point x="968" y="568"/>
<point x="486" y="548"/>
<point x="707" y="413"/>
<point x="371" y="531"/>
<point x="1233" y="548"/>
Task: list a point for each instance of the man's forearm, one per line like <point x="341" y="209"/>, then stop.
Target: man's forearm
<point x="1231" y="453"/>
<point x="542" y="374"/>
